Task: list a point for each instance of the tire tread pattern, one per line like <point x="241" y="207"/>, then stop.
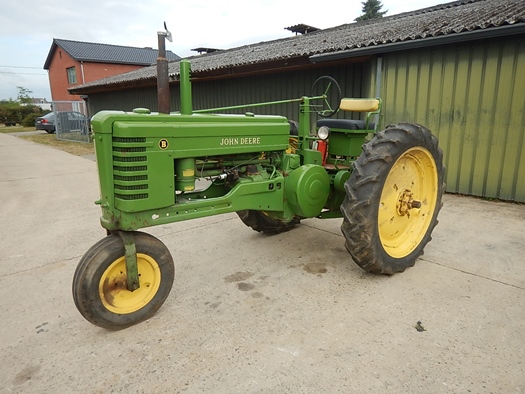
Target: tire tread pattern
<point x="96" y="261"/>
<point x="363" y="191"/>
<point x="260" y="222"/>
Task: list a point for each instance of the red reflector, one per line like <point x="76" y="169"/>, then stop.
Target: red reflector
<point x="44" y="120"/>
<point x="322" y="147"/>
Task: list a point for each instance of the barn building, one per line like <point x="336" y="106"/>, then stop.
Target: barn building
<point x="457" y="68"/>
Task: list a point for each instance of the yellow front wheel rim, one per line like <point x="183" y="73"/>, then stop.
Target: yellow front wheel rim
<point x="408" y="202"/>
<point x="113" y="290"/>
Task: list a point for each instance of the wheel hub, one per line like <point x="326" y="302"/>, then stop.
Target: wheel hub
<point x="406" y="202"/>
<point x="113" y="286"/>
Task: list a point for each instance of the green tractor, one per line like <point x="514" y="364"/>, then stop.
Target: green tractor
<point x="386" y="186"/>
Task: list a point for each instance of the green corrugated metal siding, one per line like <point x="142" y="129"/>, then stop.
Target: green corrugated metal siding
<point x="472" y="96"/>
<point x="272" y="87"/>
<point x="123" y="100"/>
<point x="237" y="91"/>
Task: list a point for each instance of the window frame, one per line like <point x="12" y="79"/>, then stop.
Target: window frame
<point x="71" y="75"/>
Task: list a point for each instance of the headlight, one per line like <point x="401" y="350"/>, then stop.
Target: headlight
<point x="323" y="133"/>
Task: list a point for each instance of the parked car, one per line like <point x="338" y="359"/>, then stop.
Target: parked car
<point x="68" y="121"/>
<point x="46" y="122"/>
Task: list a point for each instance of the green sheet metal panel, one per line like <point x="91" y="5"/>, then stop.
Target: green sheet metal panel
<point x="513" y="169"/>
<point x="472" y="96"/>
<point x="213" y="93"/>
<point x="133" y="145"/>
<point x="273" y="87"/>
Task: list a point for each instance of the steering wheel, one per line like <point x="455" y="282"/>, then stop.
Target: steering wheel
<point x="330" y="91"/>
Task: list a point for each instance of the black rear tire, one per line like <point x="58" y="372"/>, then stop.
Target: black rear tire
<point x="261" y="222"/>
<point x="393" y="198"/>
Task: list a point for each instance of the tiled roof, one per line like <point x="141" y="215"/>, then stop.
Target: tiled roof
<point x="104" y="53"/>
<point x="439" y="21"/>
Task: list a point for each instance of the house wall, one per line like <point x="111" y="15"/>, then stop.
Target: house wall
<point x="58" y="76"/>
<point x="58" y="80"/>
<point x="471" y="96"/>
<point x="94" y="71"/>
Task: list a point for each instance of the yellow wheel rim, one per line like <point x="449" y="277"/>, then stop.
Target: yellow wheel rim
<point x="408" y="201"/>
<point x="113" y="285"/>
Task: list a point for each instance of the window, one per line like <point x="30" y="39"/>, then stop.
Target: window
<point x="71" y="75"/>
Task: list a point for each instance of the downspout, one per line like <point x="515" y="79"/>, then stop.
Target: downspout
<point x="379" y="75"/>
<point x="84" y="98"/>
<point x="82" y="72"/>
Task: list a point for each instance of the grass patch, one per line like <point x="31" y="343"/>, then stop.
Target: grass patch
<point x="15" y="129"/>
<point x="75" y="148"/>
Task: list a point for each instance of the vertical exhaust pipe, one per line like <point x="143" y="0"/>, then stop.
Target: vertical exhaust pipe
<point x="163" y="83"/>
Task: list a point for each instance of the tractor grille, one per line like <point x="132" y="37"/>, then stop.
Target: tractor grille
<point x="119" y="149"/>
<point x="129" y="140"/>
<point x="131" y="178"/>
<point x="130" y="169"/>
<point x="134" y="168"/>
<point x="130" y="197"/>
<point x="129" y="159"/>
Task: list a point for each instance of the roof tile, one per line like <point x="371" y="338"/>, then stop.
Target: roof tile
<point x="445" y="19"/>
<point x="105" y="53"/>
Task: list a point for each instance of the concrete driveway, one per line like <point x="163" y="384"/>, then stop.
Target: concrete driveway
<point x="255" y="314"/>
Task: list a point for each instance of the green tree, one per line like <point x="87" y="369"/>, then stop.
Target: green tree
<point x="371" y="10"/>
<point x="23" y="95"/>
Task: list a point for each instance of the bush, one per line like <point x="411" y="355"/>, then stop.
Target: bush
<point x="8" y="111"/>
<point x="29" y="120"/>
<point x="12" y="111"/>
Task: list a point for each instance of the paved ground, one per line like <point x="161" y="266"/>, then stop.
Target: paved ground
<point x="256" y="314"/>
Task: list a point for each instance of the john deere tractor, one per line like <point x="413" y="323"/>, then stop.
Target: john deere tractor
<point x="162" y="167"/>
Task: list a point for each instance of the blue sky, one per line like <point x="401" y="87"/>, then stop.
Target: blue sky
<point x="27" y="27"/>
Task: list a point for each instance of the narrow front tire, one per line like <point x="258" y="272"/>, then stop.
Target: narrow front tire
<point x="100" y="282"/>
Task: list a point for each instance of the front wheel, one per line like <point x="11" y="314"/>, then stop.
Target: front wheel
<point x="100" y="282"/>
<point x="393" y="198"/>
